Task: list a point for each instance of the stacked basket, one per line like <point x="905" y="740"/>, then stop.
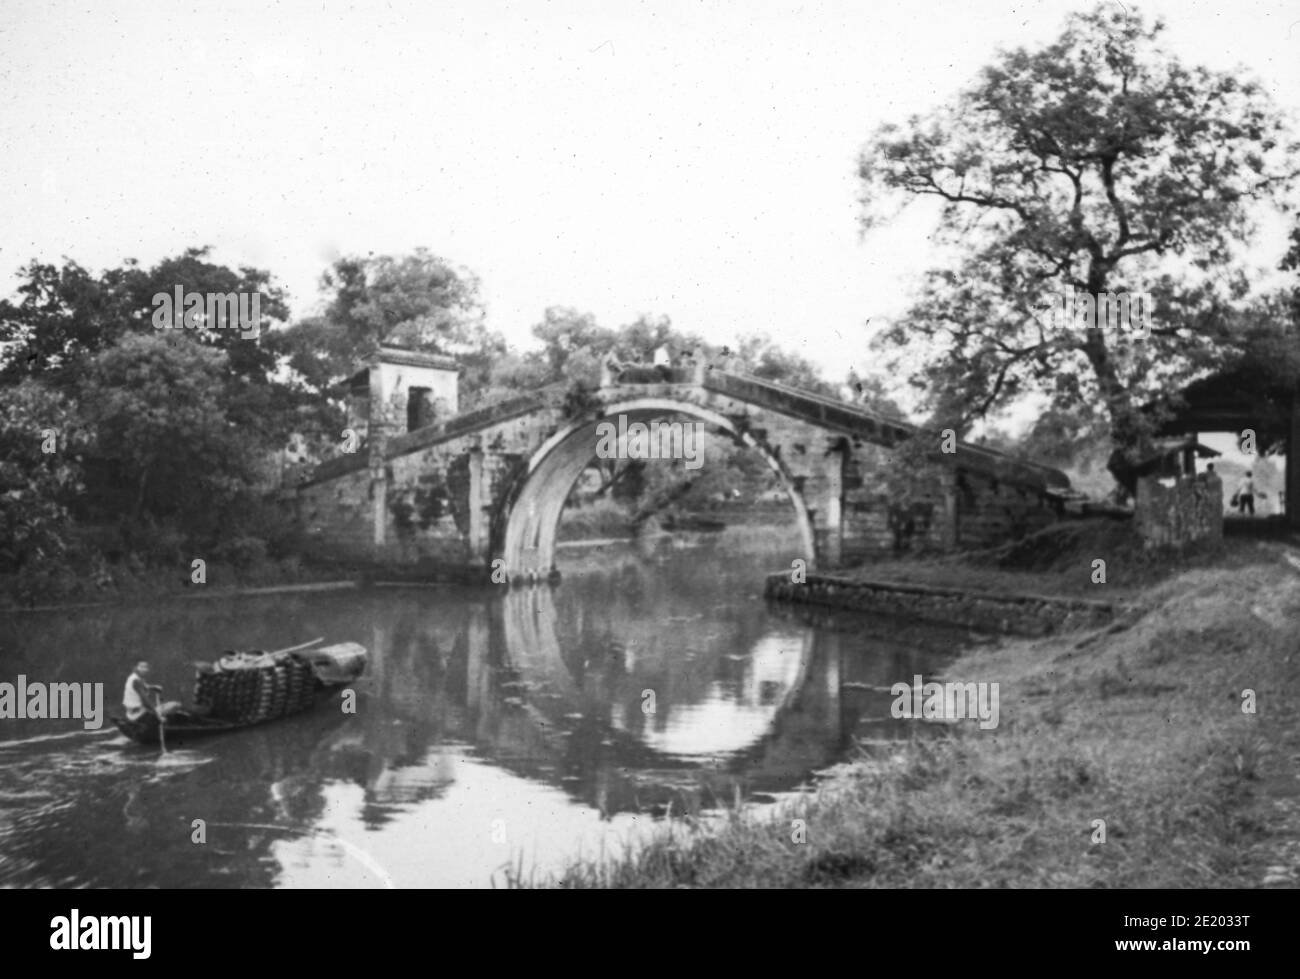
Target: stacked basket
<point x="254" y="686"/>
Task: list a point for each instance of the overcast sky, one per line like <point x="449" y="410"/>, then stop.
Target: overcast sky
<point x="687" y="158"/>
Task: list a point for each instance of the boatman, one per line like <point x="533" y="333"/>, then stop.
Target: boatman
<point x="141" y="696"/>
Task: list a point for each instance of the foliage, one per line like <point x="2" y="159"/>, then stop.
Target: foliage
<point x="418" y="301"/>
<point x="759" y="355"/>
<point x="163" y="428"/>
<point x="65" y="315"/>
<point x="35" y="485"/>
<point x="1098" y="163"/>
<point x="241" y="552"/>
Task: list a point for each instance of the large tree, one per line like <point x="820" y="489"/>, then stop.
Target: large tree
<point x="1098" y="164"/>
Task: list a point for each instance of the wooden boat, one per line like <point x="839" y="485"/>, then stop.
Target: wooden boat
<point x="331" y="667"/>
<point x="182" y="726"/>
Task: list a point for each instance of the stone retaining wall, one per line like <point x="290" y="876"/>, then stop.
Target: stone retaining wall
<point x="1026" y="615"/>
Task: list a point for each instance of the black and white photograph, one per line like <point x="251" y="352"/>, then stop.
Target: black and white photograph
<point x="689" y="444"/>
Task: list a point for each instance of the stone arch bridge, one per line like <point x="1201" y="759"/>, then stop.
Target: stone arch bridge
<point x="489" y="485"/>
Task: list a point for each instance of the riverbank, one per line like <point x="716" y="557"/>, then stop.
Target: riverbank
<point x="1061" y="560"/>
<point x="118" y="585"/>
<point x="1122" y="758"/>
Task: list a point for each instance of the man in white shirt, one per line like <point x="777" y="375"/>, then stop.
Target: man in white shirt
<point x="1246" y="495"/>
<point x="140" y="696"/>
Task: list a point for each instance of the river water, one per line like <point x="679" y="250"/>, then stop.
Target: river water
<point x="494" y="731"/>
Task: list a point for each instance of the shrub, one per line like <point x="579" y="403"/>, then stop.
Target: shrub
<point x="241" y="552"/>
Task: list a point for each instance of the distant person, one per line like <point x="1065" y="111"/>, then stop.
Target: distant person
<point x="693" y="363"/>
<point x="1246" y="494"/>
<point x="856" y="391"/>
<point x="662" y="361"/>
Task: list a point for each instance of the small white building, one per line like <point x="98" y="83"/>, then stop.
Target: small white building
<point x="413" y="388"/>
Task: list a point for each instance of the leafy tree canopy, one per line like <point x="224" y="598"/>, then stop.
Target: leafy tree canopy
<point x="167" y="445"/>
<point x="418" y="301"/>
<point x="1098" y="163"/>
<point x="65" y="314"/>
<point x="40" y="471"/>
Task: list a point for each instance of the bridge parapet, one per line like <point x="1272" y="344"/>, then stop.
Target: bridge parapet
<point x="878" y="428"/>
<point x="613" y="375"/>
<point x="470" y="421"/>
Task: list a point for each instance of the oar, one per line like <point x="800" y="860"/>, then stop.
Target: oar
<point x="162" y="724"/>
<point x="294" y="649"/>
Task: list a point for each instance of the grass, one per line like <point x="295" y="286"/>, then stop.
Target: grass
<point x="1059" y="561"/>
<point x="1142" y="728"/>
<point x="603" y="518"/>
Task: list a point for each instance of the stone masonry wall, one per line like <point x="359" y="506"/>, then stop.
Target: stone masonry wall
<point x="1190" y="510"/>
<point x="987" y="513"/>
<point x="428" y="494"/>
<point x="991" y="512"/>
<point x="1031" y="615"/>
<point x="336" y="516"/>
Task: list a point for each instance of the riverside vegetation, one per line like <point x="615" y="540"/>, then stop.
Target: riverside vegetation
<point x="1140" y="725"/>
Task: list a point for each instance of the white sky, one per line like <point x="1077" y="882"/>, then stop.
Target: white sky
<point x="689" y="158"/>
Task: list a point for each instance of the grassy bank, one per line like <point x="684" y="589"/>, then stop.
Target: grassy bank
<point x="1060" y="561"/>
<point x="1141" y="727"/>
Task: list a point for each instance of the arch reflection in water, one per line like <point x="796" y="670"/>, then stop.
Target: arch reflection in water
<point x="714" y="709"/>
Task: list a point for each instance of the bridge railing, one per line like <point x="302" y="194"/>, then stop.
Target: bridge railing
<point x="404" y="442"/>
<point x="854" y="418"/>
<point x="615" y="374"/>
<point x="827" y="410"/>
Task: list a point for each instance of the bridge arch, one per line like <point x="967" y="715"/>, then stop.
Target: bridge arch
<point x="525" y="526"/>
